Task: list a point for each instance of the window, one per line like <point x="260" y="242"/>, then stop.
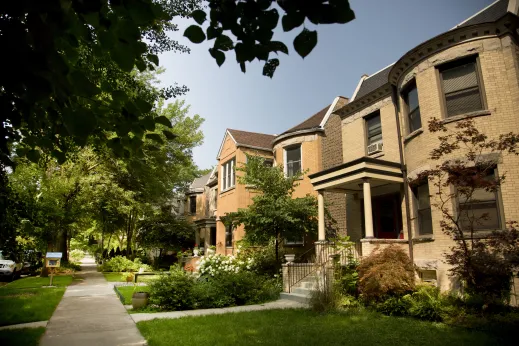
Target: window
<point x="228" y="236"/>
<point x="268" y="162"/>
<point x="461" y="87"/>
<point x="423" y="209"/>
<point x="291" y="241"/>
<point x="228" y="174"/>
<point x="480" y="210"/>
<point x="374" y="128"/>
<point x="213" y="236"/>
<point x="413" y="108"/>
<point x="427" y="275"/>
<point x="192" y="204"/>
<point x="293" y="160"/>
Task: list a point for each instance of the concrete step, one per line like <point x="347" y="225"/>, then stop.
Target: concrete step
<point x="308" y="285"/>
<point x="300" y="298"/>
<point x="301" y="290"/>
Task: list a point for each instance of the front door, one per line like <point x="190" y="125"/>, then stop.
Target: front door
<point x="213" y="236"/>
<point x="387" y="216"/>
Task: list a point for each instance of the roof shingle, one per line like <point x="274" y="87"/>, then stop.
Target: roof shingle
<point x="374" y="82"/>
<point x="311" y="123"/>
<point x="252" y="139"/>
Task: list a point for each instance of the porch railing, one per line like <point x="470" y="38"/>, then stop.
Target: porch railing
<point x="317" y="258"/>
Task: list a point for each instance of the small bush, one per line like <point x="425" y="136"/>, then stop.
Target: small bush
<point x="173" y="292"/>
<point x="384" y="273"/>
<point x="393" y="306"/>
<point x="76" y="255"/>
<point x="263" y="258"/>
<point x="122" y="264"/>
<point x="207" y="295"/>
<point x="325" y="299"/>
<point x="347" y="279"/>
<point x="427" y="303"/>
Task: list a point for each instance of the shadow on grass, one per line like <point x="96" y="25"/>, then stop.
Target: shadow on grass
<point x="25" y="336"/>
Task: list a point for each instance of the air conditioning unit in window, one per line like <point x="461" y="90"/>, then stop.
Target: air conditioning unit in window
<point x="375" y="148"/>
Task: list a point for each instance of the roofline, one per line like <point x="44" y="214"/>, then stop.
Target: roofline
<point x="223" y="141"/>
<point x="329" y="112"/>
<point x="364" y="76"/>
<point x="297" y="133"/>
<point x="253" y="147"/>
<point x="382" y="69"/>
<point x="475" y="14"/>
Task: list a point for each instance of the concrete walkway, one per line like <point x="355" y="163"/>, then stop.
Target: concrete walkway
<point x="90" y="313"/>
<point x="278" y="304"/>
<point x="26" y="325"/>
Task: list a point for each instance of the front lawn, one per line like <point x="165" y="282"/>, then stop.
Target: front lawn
<point x="114" y="277"/>
<point x="303" y="327"/>
<point x="24" y="300"/>
<point x="37" y="282"/>
<point x="25" y="336"/>
<point x="28" y="304"/>
<point x="126" y="292"/>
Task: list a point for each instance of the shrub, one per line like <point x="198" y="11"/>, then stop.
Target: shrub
<point x="325" y="299"/>
<point x="427" y="303"/>
<point x="122" y="264"/>
<point x="394" y="306"/>
<point x="207" y="295"/>
<point x="263" y="258"/>
<point x="173" y="291"/>
<point x="347" y="279"/>
<point x="388" y="272"/>
<point x="76" y="255"/>
<point x="215" y="265"/>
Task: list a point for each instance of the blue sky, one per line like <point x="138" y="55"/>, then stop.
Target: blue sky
<point x="381" y="33"/>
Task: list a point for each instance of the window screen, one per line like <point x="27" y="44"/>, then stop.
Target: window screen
<point x="480" y="211"/>
<point x="423" y="209"/>
<point x="293" y="164"/>
<point x="374" y="129"/>
<point x="413" y="108"/>
<point x="461" y="88"/>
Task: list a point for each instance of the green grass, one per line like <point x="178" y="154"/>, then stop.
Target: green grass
<point x="25" y="336"/>
<point x="303" y="327"/>
<point x="127" y="292"/>
<point x="28" y="305"/>
<point x="37" y="282"/>
<point x="114" y="277"/>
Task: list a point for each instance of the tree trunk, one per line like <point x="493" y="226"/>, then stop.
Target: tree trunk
<point x="129" y="236"/>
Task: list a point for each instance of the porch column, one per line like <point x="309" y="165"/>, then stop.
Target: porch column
<point x="320" y="206"/>
<point x="368" y="214"/>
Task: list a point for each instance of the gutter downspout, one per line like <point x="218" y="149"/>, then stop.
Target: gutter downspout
<point x="394" y="96"/>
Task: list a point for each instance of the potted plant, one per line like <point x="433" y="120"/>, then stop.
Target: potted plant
<point x="196" y="250"/>
<point x="139" y="298"/>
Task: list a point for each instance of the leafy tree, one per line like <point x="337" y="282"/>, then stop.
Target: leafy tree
<point x="484" y="264"/>
<point x="164" y="231"/>
<point x="70" y="63"/>
<point x="252" y="24"/>
<point x="274" y="213"/>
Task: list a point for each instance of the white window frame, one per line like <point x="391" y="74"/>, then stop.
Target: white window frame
<point x="225" y="182"/>
<point x="285" y="163"/>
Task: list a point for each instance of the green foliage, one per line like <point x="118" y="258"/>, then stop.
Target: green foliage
<point x="217" y="265"/>
<point x="22" y="336"/>
<point x="325" y="299"/>
<point x="263" y="258"/>
<point x="393" y="306"/>
<point x="427" y="303"/>
<point x="347" y="278"/>
<point x="76" y="255"/>
<point x="173" y="291"/>
<point x="122" y="264"/>
<point x="386" y="272"/>
<point x="274" y="213"/>
<point x="252" y="24"/>
<point x="126" y="292"/>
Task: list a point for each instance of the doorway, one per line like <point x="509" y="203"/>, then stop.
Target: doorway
<point x="387" y="216"/>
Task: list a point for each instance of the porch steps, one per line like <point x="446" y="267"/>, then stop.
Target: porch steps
<point x="301" y="291"/>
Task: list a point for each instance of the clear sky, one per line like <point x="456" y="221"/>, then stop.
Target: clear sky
<point x="381" y="33"/>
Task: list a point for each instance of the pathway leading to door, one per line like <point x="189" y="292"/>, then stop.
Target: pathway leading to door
<point x="90" y="313"/>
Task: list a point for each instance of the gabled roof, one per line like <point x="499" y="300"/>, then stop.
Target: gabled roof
<point x="252" y="139"/>
<point x="491" y="13"/>
<point x="198" y="184"/>
<point x="311" y="123"/>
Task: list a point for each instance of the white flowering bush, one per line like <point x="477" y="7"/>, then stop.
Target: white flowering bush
<point x="214" y="265"/>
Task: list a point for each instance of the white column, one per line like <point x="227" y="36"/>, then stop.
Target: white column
<point x="320" y="206"/>
<point x="368" y="213"/>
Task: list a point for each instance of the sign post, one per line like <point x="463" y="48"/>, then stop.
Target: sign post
<point x="52" y="260"/>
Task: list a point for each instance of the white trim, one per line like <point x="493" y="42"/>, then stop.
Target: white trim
<point x="358" y="86"/>
<point x="382" y="69"/>
<point x="223" y="141"/>
<point x="329" y="112"/>
<point x="469" y="18"/>
<point x="296" y="133"/>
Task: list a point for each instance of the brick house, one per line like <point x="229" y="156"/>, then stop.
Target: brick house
<point x="470" y="71"/>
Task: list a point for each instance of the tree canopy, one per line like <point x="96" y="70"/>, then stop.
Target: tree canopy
<point x="274" y="213"/>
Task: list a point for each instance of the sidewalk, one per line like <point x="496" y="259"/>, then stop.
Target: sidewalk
<point x="91" y="314"/>
<point x="278" y="304"/>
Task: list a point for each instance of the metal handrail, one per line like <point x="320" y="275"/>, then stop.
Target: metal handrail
<point x="320" y="261"/>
